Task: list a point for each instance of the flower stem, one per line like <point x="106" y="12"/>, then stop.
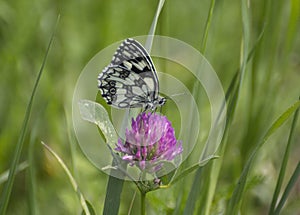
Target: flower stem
<point x="143" y="203"/>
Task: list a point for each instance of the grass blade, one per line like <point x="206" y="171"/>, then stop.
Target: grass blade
<point x="235" y="87"/>
<point x="132" y="202"/>
<point x="232" y="95"/>
<point x="193" y="168"/>
<point x="20" y="167"/>
<point x="288" y="189"/>
<point x="71" y="179"/>
<point x="231" y="99"/>
<point x="194" y="193"/>
<point x="196" y="182"/>
<point x="207" y="26"/>
<point x="8" y="186"/>
<point x="235" y="200"/>
<point x="113" y="196"/>
<point x="192" y="198"/>
<point x="31" y="174"/>
<point x="284" y="164"/>
<point x="148" y="44"/>
<point x="293" y="25"/>
<point x="90" y="207"/>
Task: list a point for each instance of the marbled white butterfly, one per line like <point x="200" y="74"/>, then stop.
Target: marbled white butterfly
<point x="130" y="80"/>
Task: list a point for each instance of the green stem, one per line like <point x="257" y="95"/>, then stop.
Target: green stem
<point x="143" y="203"/>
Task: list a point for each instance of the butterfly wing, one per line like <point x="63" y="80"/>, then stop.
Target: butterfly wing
<point x="122" y="88"/>
<point x="130" y="80"/>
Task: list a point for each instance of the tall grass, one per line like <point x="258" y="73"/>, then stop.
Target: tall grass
<point x="18" y="150"/>
<point x="254" y="48"/>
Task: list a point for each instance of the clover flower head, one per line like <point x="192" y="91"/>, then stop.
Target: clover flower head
<point x="150" y="140"/>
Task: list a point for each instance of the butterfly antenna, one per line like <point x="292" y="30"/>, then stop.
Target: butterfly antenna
<point x="177" y="94"/>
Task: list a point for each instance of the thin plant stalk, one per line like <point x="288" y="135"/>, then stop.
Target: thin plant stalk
<point x="31" y="175"/>
<point x="132" y="201"/>
<point x="143" y="203"/>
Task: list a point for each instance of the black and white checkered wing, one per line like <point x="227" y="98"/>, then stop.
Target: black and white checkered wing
<point x="130" y="80"/>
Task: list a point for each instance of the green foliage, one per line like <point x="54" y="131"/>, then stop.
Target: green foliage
<point x="260" y="38"/>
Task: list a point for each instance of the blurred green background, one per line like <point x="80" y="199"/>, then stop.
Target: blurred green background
<point x="270" y="85"/>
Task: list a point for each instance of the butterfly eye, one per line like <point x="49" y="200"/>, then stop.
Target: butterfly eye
<point x="162" y="101"/>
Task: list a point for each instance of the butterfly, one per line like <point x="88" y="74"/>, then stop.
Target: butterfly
<point x="130" y="80"/>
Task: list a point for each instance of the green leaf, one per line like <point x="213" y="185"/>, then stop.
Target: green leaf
<point x="235" y="200"/>
<point x="17" y="153"/>
<point x="96" y="113"/>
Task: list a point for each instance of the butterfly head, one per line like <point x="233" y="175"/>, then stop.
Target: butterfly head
<point x="160" y="101"/>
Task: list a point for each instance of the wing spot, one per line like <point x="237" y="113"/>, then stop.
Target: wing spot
<point x="123" y="105"/>
<point x="112" y="83"/>
<point x="149" y="82"/>
<point x="112" y="90"/>
<point x="124" y="74"/>
<point x="127" y="64"/>
<point x="127" y="53"/>
<point x="122" y="92"/>
<point x="118" y="69"/>
<point x="139" y="66"/>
